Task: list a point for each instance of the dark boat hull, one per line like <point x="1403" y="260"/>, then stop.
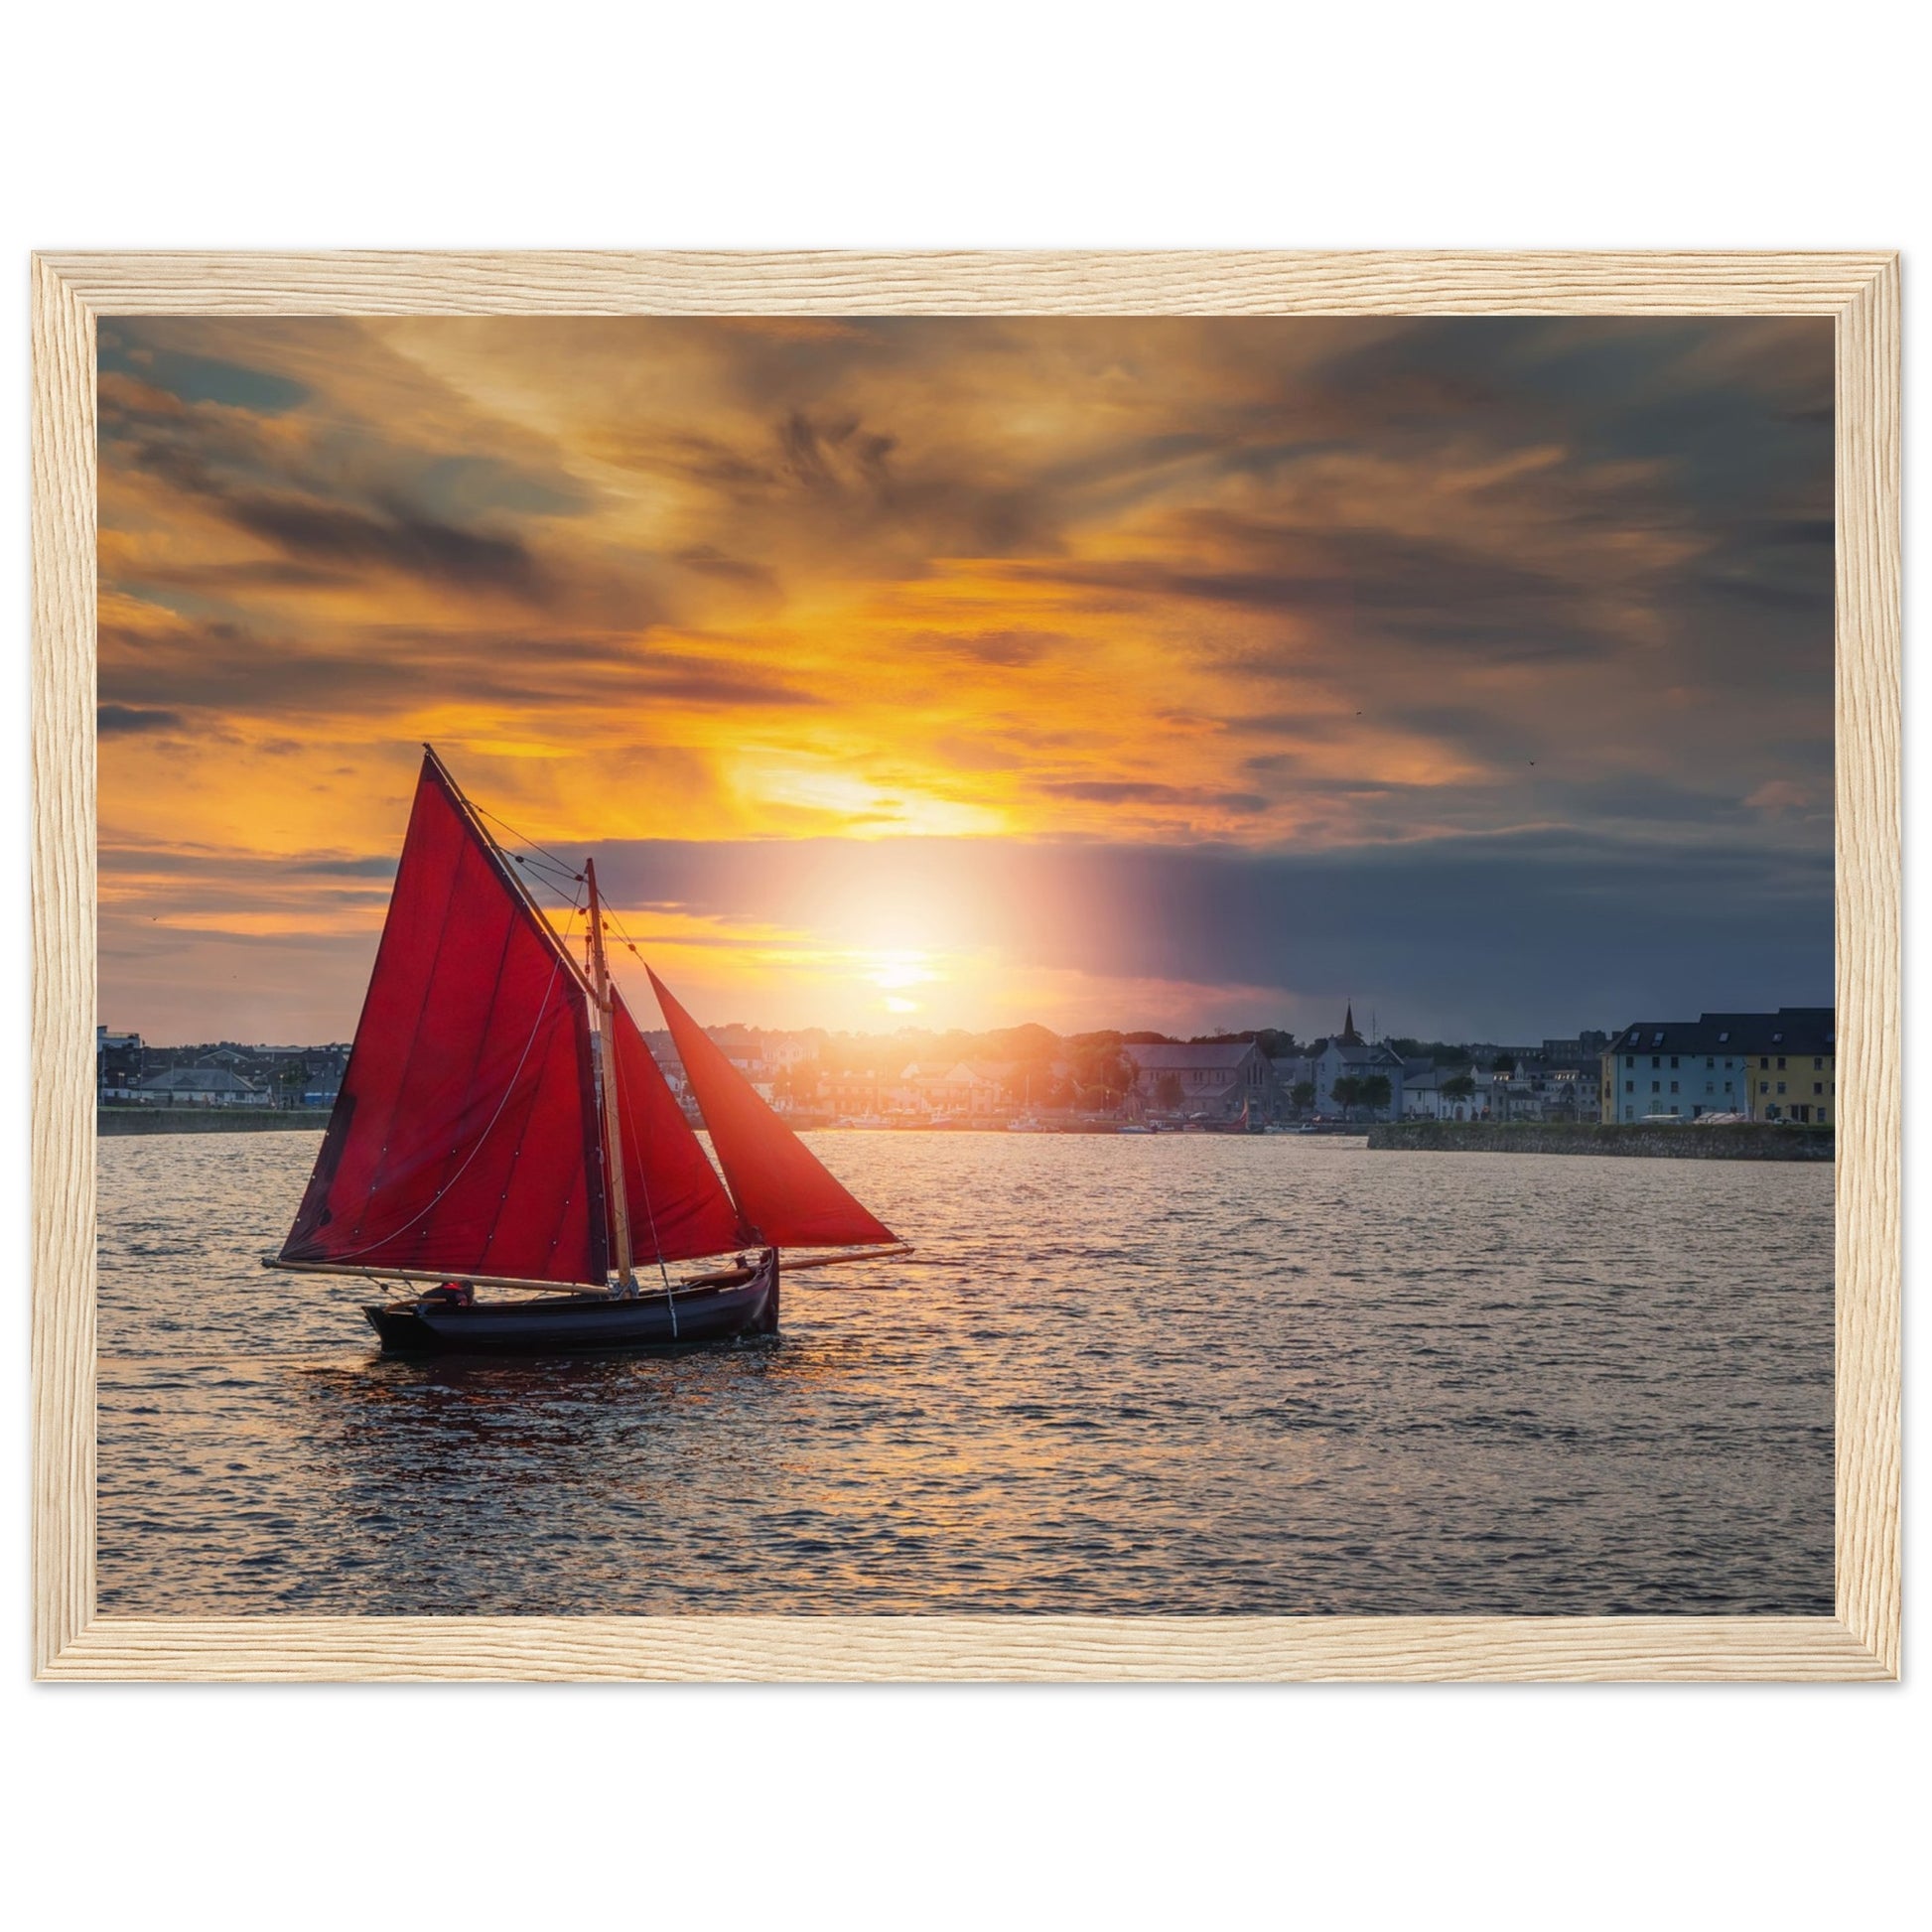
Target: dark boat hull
<point x="743" y="1304"/>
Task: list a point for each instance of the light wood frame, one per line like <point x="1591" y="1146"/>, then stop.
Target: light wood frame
<point x="1860" y="1640"/>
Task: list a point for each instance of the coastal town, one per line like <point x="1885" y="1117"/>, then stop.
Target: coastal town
<point x="1718" y="1068"/>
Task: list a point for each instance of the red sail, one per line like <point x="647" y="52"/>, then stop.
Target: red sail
<point x="784" y="1190"/>
<point x="466" y="1135"/>
<point x="678" y="1205"/>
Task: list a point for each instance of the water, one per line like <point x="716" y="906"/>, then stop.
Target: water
<point x="1128" y="1375"/>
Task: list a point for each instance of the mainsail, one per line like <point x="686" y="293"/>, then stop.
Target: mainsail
<point x="784" y="1193"/>
<point x="465" y="1136"/>
<point x="678" y="1205"/>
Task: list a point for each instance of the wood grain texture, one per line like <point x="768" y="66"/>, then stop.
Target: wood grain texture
<point x="64" y="965"/>
<point x="1868" y="1254"/>
<point x="1181" y="281"/>
<point x="1860" y="1642"/>
<point x="798" y="1648"/>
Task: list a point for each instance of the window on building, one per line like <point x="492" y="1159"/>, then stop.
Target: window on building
<point x="1727" y="1086"/>
<point x="1764" y="1063"/>
<point x="1708" y="1063"/>
<point x="1655" y="1061"/>
<point x="1777" y="1039"/>
<point x="1780" y="1063"/>
<point x="1817" y="1065"/>
<point x="1771" y="1112"/>
<point x="1630" y="1086"/>
<point x="1722" y="1037"/>
<point x="1818" y="1086"/>
<point x="1629" y="1059"/>
<point x="1780" y="1086"/>
<point x="1656" y="1086"/>
<point x="1764" y="1086"/>
<point x="1673" y="1062"/>
<point x="1673" y="1088"/>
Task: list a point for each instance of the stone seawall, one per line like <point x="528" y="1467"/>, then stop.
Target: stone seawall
<point x="1741" y="1142"/>
<point x="111" y="1121"/>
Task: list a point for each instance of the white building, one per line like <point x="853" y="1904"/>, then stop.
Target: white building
<point x="199" y="1086"/>
<point x="1347" y="1056"/>
<point x="1427" y="1095"/>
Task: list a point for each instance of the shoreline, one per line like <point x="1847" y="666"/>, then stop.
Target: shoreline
<point x="1755" y="1140"/>
<point x="117" y="1122"/>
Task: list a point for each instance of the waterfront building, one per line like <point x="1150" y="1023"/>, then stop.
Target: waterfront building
<point x="197" y="1086"/>
<point x="117" y="1063"/>
<point x="1427" y="1093"/>
<point x="1771" y="1066"/>
<point x="1348" y="1054"/>
<point x="942" y="1088"/>
<point x="1214" y="1077"/>
<point x="1793" y="1073"/>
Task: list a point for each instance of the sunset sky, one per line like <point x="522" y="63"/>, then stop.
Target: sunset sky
<point x="1171" y="673"/>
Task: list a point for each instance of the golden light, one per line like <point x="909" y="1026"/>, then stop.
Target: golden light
<point x="856" y="806"/>
<point x="897" y="970"/>
<point x="901" y="968"/>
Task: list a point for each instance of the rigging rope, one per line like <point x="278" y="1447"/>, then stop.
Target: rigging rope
<point x="523" y="838"/>
<point x="643" y="1171"/>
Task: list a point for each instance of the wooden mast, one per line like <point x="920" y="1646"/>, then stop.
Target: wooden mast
<point x="607" y="1055"/>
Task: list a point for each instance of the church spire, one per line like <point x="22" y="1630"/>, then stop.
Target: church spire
<point x="1349" y="1037"/>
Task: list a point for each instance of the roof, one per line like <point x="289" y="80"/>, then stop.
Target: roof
<point x="1357" y="1052"/>
<point x="1205" y="1057"/>
<point x="196" y="1079"/>
<point x="998" y="1071"/>
<point x="1200" y="1095"/>
<point x="1790" y="1029"/>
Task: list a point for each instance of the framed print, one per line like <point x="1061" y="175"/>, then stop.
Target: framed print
<point x="966" y="965"/>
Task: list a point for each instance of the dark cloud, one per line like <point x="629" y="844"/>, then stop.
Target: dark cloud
<point x="1126" y="791"/>
<point x="120" y="719"/>
<point x="1496" y="936"/>
<point x="228" y="672"/>
<point x="226" y="461"/>
<point x="394" y="539"/>
<point x="709" y="562"/>
<point x="1005" y="649"/>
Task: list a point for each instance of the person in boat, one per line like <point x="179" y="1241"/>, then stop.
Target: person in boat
<point x="456" y="1294"/>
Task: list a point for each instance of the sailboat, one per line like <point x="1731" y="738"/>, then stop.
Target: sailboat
<point x="501" y="1124"/>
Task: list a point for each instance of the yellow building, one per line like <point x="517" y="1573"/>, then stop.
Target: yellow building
<point x="1793" y="1071"/>
<point x="1769" y="1066"/>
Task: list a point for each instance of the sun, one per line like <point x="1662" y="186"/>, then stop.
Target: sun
<point x="896" y="972"/>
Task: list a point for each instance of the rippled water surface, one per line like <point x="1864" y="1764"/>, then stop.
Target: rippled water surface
<point x="1126" y="1374"/>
